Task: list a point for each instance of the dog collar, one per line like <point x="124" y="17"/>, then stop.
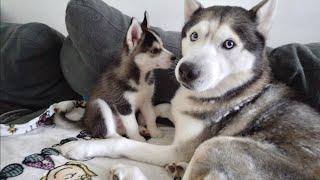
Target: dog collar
<point x="240" y="105"/>
<point x="221" y="116"/>
<point x="220" y="122"/>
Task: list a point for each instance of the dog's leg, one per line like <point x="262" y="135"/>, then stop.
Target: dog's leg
<point x="149" y="115"/>
<point x="131" y="125"/>
<point x="124" y="172"/>
<point x="122" y="147"/>
<point x="240" y="158"/>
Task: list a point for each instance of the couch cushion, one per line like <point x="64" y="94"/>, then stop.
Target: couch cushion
<point x="299" y="66"/>
<point x="30" y="68"/>
<point x="96" y="34"/>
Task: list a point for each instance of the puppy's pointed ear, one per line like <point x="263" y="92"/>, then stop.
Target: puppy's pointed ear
<point x="264" y="13"/>
<point x="190" y="6"/>
<point x="145" y="23"/>
<point x="134" y="34"/>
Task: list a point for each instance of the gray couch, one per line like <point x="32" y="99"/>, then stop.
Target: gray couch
<point x="39" y="66"/>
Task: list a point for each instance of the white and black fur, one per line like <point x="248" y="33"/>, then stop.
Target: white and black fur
<point x="128" y="86"/>
<point x="232" y="120"/>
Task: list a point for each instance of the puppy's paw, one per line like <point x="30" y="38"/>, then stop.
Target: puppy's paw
<point x="63" y="107"/>
<point x="144" y="132"/>
<point x="123" y="172"/>
<point x="75" y="150"/>
<point x="156" y="133"/>
<point x="76" y="114"/>
<point x="176" y="170"/>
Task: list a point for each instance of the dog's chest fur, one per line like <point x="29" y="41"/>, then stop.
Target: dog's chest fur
<point x="270" y="117"/>
<point x="144" y="90"/>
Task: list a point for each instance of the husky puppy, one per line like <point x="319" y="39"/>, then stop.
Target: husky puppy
<point x="232" y="120"/>
<point x="128" y="86"/>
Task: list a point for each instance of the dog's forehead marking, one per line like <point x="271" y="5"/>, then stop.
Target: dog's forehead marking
<point x="202" y="28"/>
<point x="214" y="30"/>
<point x="224" y="32"/>
<point x="157" y="37"/>
<point x="156" y="45"/>
<point x="219" y="14"/>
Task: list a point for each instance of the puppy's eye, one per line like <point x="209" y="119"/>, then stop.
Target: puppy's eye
<point x="194" y="36"/>
<point x="228" y="44"/>
<point x="155" y="51"/>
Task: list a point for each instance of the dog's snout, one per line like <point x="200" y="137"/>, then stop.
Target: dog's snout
<point x="188" y="72"/>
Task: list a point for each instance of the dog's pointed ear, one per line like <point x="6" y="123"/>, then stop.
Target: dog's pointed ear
<point x="190" y="6"/>
<point x="264" y="13"/>
<point x="145" y="23"/>
<point x="134" y="34"/>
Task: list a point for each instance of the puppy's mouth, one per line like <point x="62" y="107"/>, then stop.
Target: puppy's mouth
<point x="166" y="65"/>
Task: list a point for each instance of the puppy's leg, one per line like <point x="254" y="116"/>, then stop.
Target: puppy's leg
<point x="122" y="147"/>
<point x="149" y="115"/>
<point x="109" y="119"/>
<point x="63" y="107"/>
<point x="131" y="125"/>
<point x="141" y="120"/>
<point x="161" y="110"/>
<point x="124" y="172"/>
<point x="76" y="114"/>
<point x="164" y="111"/>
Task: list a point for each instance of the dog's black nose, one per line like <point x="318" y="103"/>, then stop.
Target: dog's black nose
<point x="188" y="72"/>
<point x="173" y="58"/>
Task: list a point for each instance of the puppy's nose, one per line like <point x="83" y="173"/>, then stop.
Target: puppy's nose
<point x="173" y="58"/>
<point x="188" y="72"/>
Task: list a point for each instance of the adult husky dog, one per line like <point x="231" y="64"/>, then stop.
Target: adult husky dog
<point x="232" y="121"/>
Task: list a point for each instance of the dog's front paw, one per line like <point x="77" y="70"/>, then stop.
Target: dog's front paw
<point x="123" y="172"/>
<point x="176" y="170"/>
<point x="75" y="150"/>
<point x="156" y="133"/>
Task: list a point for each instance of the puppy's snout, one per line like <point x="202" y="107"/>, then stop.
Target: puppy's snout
<point x="188" y="72"/>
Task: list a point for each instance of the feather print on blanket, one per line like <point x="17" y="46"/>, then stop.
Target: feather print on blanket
<point x="45" y="119"/>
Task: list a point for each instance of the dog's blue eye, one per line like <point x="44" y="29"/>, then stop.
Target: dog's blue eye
<point x="194" y="36"/>
<point x="229" y="44"/>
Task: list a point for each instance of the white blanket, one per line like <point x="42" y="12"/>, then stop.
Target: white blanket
<point x="31" y="156"/>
